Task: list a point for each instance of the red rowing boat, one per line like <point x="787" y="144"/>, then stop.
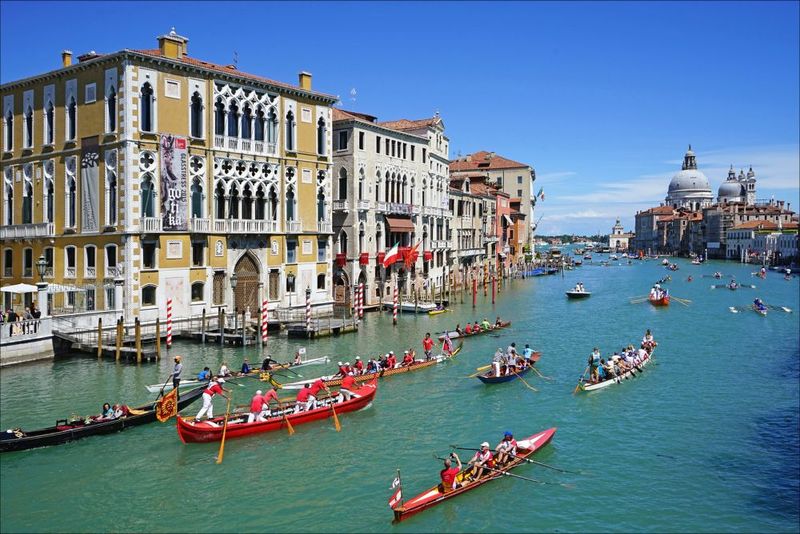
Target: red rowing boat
<point x="211" y="430"/>
<point x="663" y="301"/>
<point x="525" y="447"/>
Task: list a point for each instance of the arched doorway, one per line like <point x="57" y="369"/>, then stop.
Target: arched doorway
<point x="341" y="290"/>
<point x="246" y="292"/>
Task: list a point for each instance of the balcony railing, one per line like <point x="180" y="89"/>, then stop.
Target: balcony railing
<point x="394" y="207"/>
<point x="339" y="205"/>
<point x="17" y="231"/>
<point x="430" y="210"/>
<point x="245" y="226"/>
<point x="415" y="209"/>
<point x="151" y="224"/>
<point x="91" y="272"/>
<point x="252" y="146"/>
<point x="294" y="227"/>
<point x="383" y="206"/>
<point x="363" y="205"/>
<point x="199" y="226"/>
<point x="324" y="227"/>
<point x="69" y="272"/>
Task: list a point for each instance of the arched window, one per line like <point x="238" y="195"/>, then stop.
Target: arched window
<point x="233" y="204"/>
<point x="196" y="118"/>
<point x="290" y="204"/>
<point x="111" y="110"/>
<point x="272" y="129"/>
<point x="198" y="290"/>
<point x="72" y="203"/>
<point x="72" y="118"/>
<point x="259" y="125"/>
<point x="361" y="237"/>
<point x="8" y="209"/>
<point x="9" y="137"/>
<point x="111" y="198"/>
<point x="342" y="184"/>
<point x="8" y="263"/>
<point x="49" y="126"/>
<point x="343" y="242"/>
<point x="361" y="179"/>
<point x="219" y="197"/>
<point x="146" y="102"/>
<point x="321" y="281"/>
<point x="273" y="204"/>
<point x="149" y="295"/>
<point x="378" y="187"/>
<point x="29" y="127"/>
<point x="321" y="205"/>
<point x="322" y="137"/>
<point x="260" y="204"/>
<point x="247" y="118"/>
<point x="290" y="131"/>
<point x="197" y="199"/>
<point x="219" y="118"/>
<point x="247" y="203"/>
<point x="233" y="120"/>
<point x="148" y="196"/>
<point x="49" y="198"/>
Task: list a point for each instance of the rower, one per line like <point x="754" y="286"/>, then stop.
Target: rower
<point x="346" y="390"/>
<point x="527" y="353"/>
<point x="214" y="388"/>
<point x="301" y="402"/>
<point x="318" y="385"/>
<point x="297" y="359"/>
<point x="246" y="367"/>
<point x="204" y="375"/>
<point x="458" y="329"/>
<point x="256" y="404"/>
<point x="497" y="360"/>
<point x="498" y="322"/>
<point x="391" y="361"/>
<point x="372" y="366"/>
<point x="468" y="329"/>
<point x="594" y="363"/>
<point x="266" y="365"/>
<point x="601" y="370"/>
<point x="449" y="473"/>
<point x="342" y="372"/>
<point x="176" y="372"/>
<point x="272" y="394"/>
<point x="359" y="366"/>
<point x="447" y="344"/>
<point x="506" y="449"/>
<point x="223" y="370"/>
<point x="485" y="324"/>
<point x="427" y="346"/>
<point x="408" y="359"/>
<point x="483" y="457"/>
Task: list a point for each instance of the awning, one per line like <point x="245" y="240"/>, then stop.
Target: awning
<point x="508" y="219"/>
<point x="19" y="288"/>
<point x="400" y="224"/>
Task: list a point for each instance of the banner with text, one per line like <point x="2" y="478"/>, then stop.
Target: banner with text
<point x="90" y="177"/>
<point x="174" y="203"/>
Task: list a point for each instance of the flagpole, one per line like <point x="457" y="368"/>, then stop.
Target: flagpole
<point x="400" y="485"/>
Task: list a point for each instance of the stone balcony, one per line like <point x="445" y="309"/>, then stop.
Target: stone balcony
<point x="294" y="227"/>
<point x="249" y="146"/>
<point x="363" y="205"/>
<point x="27" y="231"/>
<point x="340" y="205"/>
<point x="324" y="227"/>
<point x="246" y="226"/>
<point x="150" y="225"/>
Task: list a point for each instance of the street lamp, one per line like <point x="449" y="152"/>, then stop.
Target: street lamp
<point x="41" y="267"/>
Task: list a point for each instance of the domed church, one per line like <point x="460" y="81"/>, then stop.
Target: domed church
<point x="740" y="188"/>
<point x="689" y="188"/>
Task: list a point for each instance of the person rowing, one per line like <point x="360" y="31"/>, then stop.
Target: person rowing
<point x="498" y="322"/>
<point x="447" y="344"/>
<point x="297" y="359"/>
<point x="256" y="405"/>
<point x="449" y="474"/>
<point x="458" y="329"/>
<point x="204" y="375"/>
<point x="427" y="346"/>
<point x="266" y="365"/>
<point x="527" y="353"/>
<point x="506" y="449"/>
<point x="342" y="372"/>
<point x="594" y="363"/>
<point x="408" y="359"/>
<point x="468" y="329"/>
<point x="214" y="388"/>
<point x="358" y="367"/>
<point x="648" y="343"/>
<point x="316" y="387"/>
<point x="485" y="325"/>
<point x="759" y="305"/>
<point x="270" y="395"/>
<point x="246" y="367"/>
<point x="497" y="361"/>
<point x="483" y="457"/>
<point x="347" y="388"/>
<point x="301" y="401"/>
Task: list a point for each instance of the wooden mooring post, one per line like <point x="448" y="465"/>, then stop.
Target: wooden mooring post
<point x="221" y="325"/>
<point x="120" y="335"/>
<point x="158" y="338"/>
<point x="138" y="337"/>
<point x="203" y="327"/>
<point x="99" y="337"/>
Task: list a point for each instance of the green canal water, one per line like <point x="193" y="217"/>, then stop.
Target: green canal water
<point x="705" y="440"/>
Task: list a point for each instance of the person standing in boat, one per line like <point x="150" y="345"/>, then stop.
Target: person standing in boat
<point x="176" y="372"/>
<point x="483" y="458"/>
<point x="506" y="449"/>
<point x="215" y="388"/>
<point x="313" y="393"/>
<point x="527" y="353"/>
<point x="427" y="346"/>
<point x="648" y="343"/>
<point x="594" y="363"/>
<point x="256" y="404"/>
<point x="449" y="473"/>
<point x="447" y="344"/>
<point x="346" y="389"/>
<point x="497" y="361"/>
<point x="301" y="402"/>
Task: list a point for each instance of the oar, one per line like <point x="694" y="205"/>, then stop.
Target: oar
<point x="526" y="384"/>
<point x="578" y="387"/>
<point x="506" y="473"/>
<point x="289" y="427"/>
<point x="480" y="370"/>
<point x="779" y="308"/>
<point x="224" y="430"/>
<point x="535" y="370"/>
<point x="680" y="302"/>
<point x="336" y="423"/>
<point x="527" y="460"/>
<point x="163" y="386"/>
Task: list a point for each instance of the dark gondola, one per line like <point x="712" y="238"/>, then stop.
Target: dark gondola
<point x="64" y="431"/>
<point x="489" y="378"/>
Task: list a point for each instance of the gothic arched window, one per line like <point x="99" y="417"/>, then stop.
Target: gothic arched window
<point x="148" y="196"/>
<point x="146" y="102"/>
<point x="196" y="119"/>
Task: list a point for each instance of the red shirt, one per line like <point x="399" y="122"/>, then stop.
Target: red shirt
<point x="255" y="404"/>
<point x="317" y="386"/>
<point x="302" y="395"/>
<point x="448" y="476"/>
<point x="359" y="365"/>
<point x="468" y="329"/>
<point x="349" y="383"/>
<point x="215" y="388"/>
<point x="392" y="361"/>
<point x="427" y="343"/>
<point x="407" y="358"/>
<point x="269" y="395"/>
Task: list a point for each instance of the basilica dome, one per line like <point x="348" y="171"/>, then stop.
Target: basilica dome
<point x="731" y="191"/>
<point x="689" y="180"/>
<point x="689" y="188"/>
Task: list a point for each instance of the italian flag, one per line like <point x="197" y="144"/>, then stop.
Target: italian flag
<point x="392" y="255"/>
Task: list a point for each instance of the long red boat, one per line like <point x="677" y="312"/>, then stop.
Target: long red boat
<point x="663" y="301"/>
<point x="525" y="447"/>
<point x="211" y="430"/>
<point x="455" y="335"/>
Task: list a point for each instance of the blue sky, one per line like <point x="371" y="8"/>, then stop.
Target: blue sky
<point x="601" y="98"/>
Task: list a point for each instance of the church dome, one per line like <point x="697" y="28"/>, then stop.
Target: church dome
<point x="730" y="190"/>
<point x="689" y="180"/>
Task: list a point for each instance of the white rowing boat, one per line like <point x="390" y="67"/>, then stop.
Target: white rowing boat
<point x="155" y="388"/>
<point x="586" y="385"/>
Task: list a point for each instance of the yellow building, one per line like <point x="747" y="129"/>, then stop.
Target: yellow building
<point x="161" y="175"/>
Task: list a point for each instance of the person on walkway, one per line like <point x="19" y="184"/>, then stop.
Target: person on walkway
<point x="347" y="388"/>
<point x="256" y="404"/>
<point x="215" y="388"/>
<point x="204" y="375"/>
<point x="176" y="372"/>
<point x="427" y="346"/>
<point x="301" y="402"/>
<point x="449" y="473"/>
<point x="506" y="449"/>
<point x="483" y="458"/>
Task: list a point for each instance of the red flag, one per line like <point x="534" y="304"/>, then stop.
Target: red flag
<point x="412" y="255"/>
<point x="167" y="406"/>
<point x="396" y="497"/>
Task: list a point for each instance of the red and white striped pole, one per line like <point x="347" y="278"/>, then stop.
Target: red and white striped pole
<point x="308" y="309"/>
<point x="264" y="322"/>
<point x="169" y="323"/>
<point x="355" y="303"/>
<point x="394" y="305"/>
<point x="361" y="301"/>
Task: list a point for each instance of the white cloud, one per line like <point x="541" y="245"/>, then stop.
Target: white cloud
<point x="555" y="176"/>
<point x="776" y="167"/>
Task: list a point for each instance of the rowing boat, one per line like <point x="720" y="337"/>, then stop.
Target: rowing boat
<point x="437" y="312"/>
<point x="578" y="294"/>
<point x="455" y="335"/>
<point x="525" y="448"/>
<point x="191" y="431"/>
<point x="255" y="373"/>
<point x="65" y="431"/>
<point x="663" y="301"/>
<point x="489" y="378"/>
<point x="761" y="311"/>
<point x="334" y="380"/>
<point x="586" y="385"/>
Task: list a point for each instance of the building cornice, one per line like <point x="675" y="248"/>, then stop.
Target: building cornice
<point x="379" y="129"/>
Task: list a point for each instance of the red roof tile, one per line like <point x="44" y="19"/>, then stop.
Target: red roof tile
<point x="405" y="124"/>
<point x="484" y="161"/>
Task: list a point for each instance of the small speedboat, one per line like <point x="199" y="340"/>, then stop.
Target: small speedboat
<point x="572" y="294"/>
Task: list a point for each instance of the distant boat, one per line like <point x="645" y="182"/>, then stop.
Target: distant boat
<point x="572" y="294"/>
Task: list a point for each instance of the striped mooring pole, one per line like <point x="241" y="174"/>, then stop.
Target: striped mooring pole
<point x="394" y="305"/>
<point x="361" y="301"/>
<point x="308" y="309"/>
<point x="169" y="323"/>
<point x="264" y="322"/>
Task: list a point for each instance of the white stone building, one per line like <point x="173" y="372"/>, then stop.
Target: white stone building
<point x="689" y="188"/>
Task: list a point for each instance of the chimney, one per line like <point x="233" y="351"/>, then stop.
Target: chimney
<point x="88" y="55"/>
<point x="173" y="45"/>
<point x="66" y="58"/>
<point x="305" y="80"/>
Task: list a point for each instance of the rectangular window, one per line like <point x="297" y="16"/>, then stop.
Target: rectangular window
<point x="111" y="260"/>
<point x="386" y="148"/>
<point x="519" y="192"/>
<point x="404" y="150"/>
<point x="342" y="140"/>
<point x="393" y="145"/>
<point x="111" y="303"/>
<point x="291" y="251"/>
<point x="361" y="140"/>
<point x="322" y="247"/>
<point x="412" y="152"/>
<point x="198" y="254"/>
<point x="219" y="288"/>
<point x="149" y="255"/>
<point x="90" y="298"/>
<point x="70" y="257"/>
<point x="519" y="179"/>
<point x="321" y="281"/>
<point x="172" y="88"/>
<point x="90" y="268"/>
<point x="8" y="263"/>
<point x="48" y="258"/>
<point x="198" y="288"/>
<point x="28" y="263"/>
<point x="424" y="153"/>
<point x="377" y="144"/>
<point x="90" y="93"/>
